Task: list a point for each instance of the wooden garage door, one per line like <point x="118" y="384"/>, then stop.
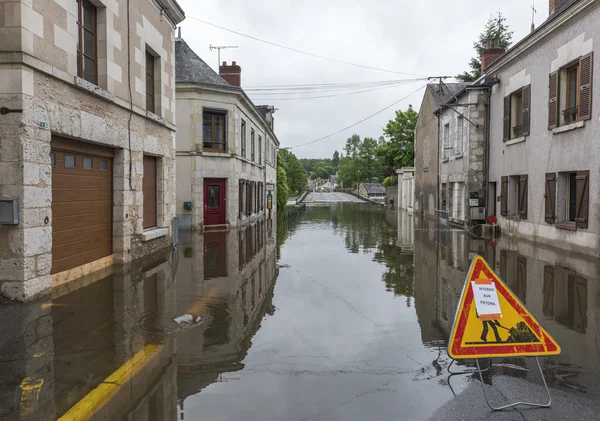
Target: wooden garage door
<point x="81" y="204"/>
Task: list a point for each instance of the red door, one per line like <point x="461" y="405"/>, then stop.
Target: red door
<point x="214" y="201"/>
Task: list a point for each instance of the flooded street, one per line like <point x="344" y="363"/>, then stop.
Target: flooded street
<point x="342" y="314"/>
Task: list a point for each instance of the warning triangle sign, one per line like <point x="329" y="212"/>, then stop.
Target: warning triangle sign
<point x="491" y="321"/>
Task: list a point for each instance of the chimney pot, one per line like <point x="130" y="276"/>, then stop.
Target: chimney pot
<point x="224" y="63"/>
<point x="233" y="63"/>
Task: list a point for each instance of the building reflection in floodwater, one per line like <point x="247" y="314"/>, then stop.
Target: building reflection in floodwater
<point x="561" y="289"/>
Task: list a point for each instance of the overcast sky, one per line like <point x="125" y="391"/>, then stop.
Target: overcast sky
<point x="426" y="37"/>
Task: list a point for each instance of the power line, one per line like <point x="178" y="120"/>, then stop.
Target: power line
<point x="356" y="124"/>
<point x="329" y="85"/>
<point x="329" y="96"/>
<point x="299" y="51"/>
<point x="301" y="91"/>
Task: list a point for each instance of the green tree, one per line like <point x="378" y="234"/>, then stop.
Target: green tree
<point x="323" y="170"/>
<point x="348" y="172"/>
<point x="335" y="162"/>
<point x="295" y="172"/>
<point x="368" y="162"/>
<point x="495" y="29"/>
<point x="283" y="190"/>
<point x="397" y="148"/>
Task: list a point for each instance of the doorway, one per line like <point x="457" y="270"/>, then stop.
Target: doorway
<point x="214" y="201"/>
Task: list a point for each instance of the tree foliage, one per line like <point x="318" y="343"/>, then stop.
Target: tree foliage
<point x="397" y="148"/>
<point x="495" y="28"/>
<point x="323" y="170"/>
<point x="335" y="161"/>
<point x="295" y="172"/>
<point x="283" y="190"/>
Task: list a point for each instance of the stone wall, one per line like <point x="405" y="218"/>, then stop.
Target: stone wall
<point x="391" y="197"/>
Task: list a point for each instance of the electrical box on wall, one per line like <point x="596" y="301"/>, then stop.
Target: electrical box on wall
<point x="187" y="206"/>
<point x="9" y="211"/>
<point x="478" y="214"/>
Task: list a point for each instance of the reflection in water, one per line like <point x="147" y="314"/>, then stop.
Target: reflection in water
<point x="553" y="284"/>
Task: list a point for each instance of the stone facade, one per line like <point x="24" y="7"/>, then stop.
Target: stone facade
<point x="39" y="75"/>
<point x="548" y="151"/>
<point x="406" y="189"/>
<point x="462" y="158"/>
<point x="237" y="164"/>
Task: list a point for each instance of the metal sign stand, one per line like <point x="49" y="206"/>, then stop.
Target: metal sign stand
<point x="511" y="405"/>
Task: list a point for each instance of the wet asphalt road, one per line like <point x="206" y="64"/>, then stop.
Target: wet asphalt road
<point x="317" y="197"/>
<point x="342" y="314"/>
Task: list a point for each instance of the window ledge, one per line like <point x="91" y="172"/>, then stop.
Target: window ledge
<point x="456" y="221"/>
<point x="568" y="226"/>
<point x="458" y="156"/>
<point x="96" y="90"/>
<point x="425" y="169"/>
<point x="154" y="233"/>
<point x="155" y="117"/>
<point x="516" y="218"/>
<point x="516" y="140"/>
<point x="445" y="160"/>
<point x="569" y="127"/>
<point x="216" y="154"/>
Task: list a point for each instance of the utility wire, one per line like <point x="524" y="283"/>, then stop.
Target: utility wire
<point x="329" y="85"/>
<point x="356" y="124"/>
<point x="328" y="90"/>
<point x="299" y="51"/>
<point x="327" y="96"/>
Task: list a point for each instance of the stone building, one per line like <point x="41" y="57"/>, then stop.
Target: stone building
<point x="462" y="157"/>
<point x="406" y="189"/>
<point x="426" y="147"/>
<point x="226" y="147"/>
<point x="544" y="126"/>
<point x="87" y="136"/>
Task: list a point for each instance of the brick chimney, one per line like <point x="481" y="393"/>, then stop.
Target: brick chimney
<point x="490" y="54"/>
<point x="232" y="74"/>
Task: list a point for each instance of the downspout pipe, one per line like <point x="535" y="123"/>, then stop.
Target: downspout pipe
<point x="486" y="164"/>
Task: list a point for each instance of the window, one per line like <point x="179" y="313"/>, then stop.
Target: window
<point x="88" y="164"/>
<point x="150" y="83"/>
<point x="460" y="126"/>
<point x="259" y="150"/>
<point x="103" y="165"/>
<point x="213" y="131"/>
<point x="570" y="93"/>
<point x="252" y="145"/>
<point x="572" y="199"/>
<point x="150" y="192"/>
<point x="516" y="114"/>
<point x="243" y="139"/>
<point x="86" y="45"/>
<point x="53" y="159"/>
<point x="69" y="161"/>
<point x="447" y="147"/>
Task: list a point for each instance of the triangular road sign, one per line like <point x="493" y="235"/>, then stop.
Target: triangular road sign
<point x="491" y="321"/>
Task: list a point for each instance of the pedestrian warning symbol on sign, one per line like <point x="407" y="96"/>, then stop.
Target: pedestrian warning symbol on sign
<point x="491" y="321"/>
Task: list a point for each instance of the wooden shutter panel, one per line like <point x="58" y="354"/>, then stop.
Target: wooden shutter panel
<point x="523" y="196"/>
<point x="526" y="110"/>
<point x="586" y="65"/>
<point x="548" y="291"/>
<point x="521" y="289"/>
<point x="504" y="197"/>
<point x="583" y="198"/>
<point x="553" y="101"/>
<point x="506" y="135"/>
<point x="550" y="196"/>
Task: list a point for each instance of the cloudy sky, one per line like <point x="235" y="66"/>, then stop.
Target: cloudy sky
<point x="425" y="38"/>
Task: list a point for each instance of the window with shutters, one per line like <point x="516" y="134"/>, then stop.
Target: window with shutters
<point x="87" y="56"/>
<point x="460" y="135"/>
<point x="150" y="94"/>
<point x="570" y="93"/>
<point x="517" y="113"/>
<point x="444" y="198"/>
<point x="252" y="144"/>
<point x="504" y="196"/>
<point x="572" y="199"/>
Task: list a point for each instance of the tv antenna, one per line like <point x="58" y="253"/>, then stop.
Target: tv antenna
<point x="219" y="48"/>
<point x="533" y="12"/>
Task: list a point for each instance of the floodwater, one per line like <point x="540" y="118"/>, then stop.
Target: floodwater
<point x="342" y="314"/>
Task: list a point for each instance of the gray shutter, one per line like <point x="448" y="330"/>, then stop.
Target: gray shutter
<point x="548" y="291"/>
<point x="550" y="196"/>
<point x="526" y="110"/>
<point x="523" y="196"/>
<point x="583" y="198"/>
<point x="586" y="65"/>
<point x="506" y="135"/>
<point x="504" y="197"/>
<point x="553" y="101"/>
